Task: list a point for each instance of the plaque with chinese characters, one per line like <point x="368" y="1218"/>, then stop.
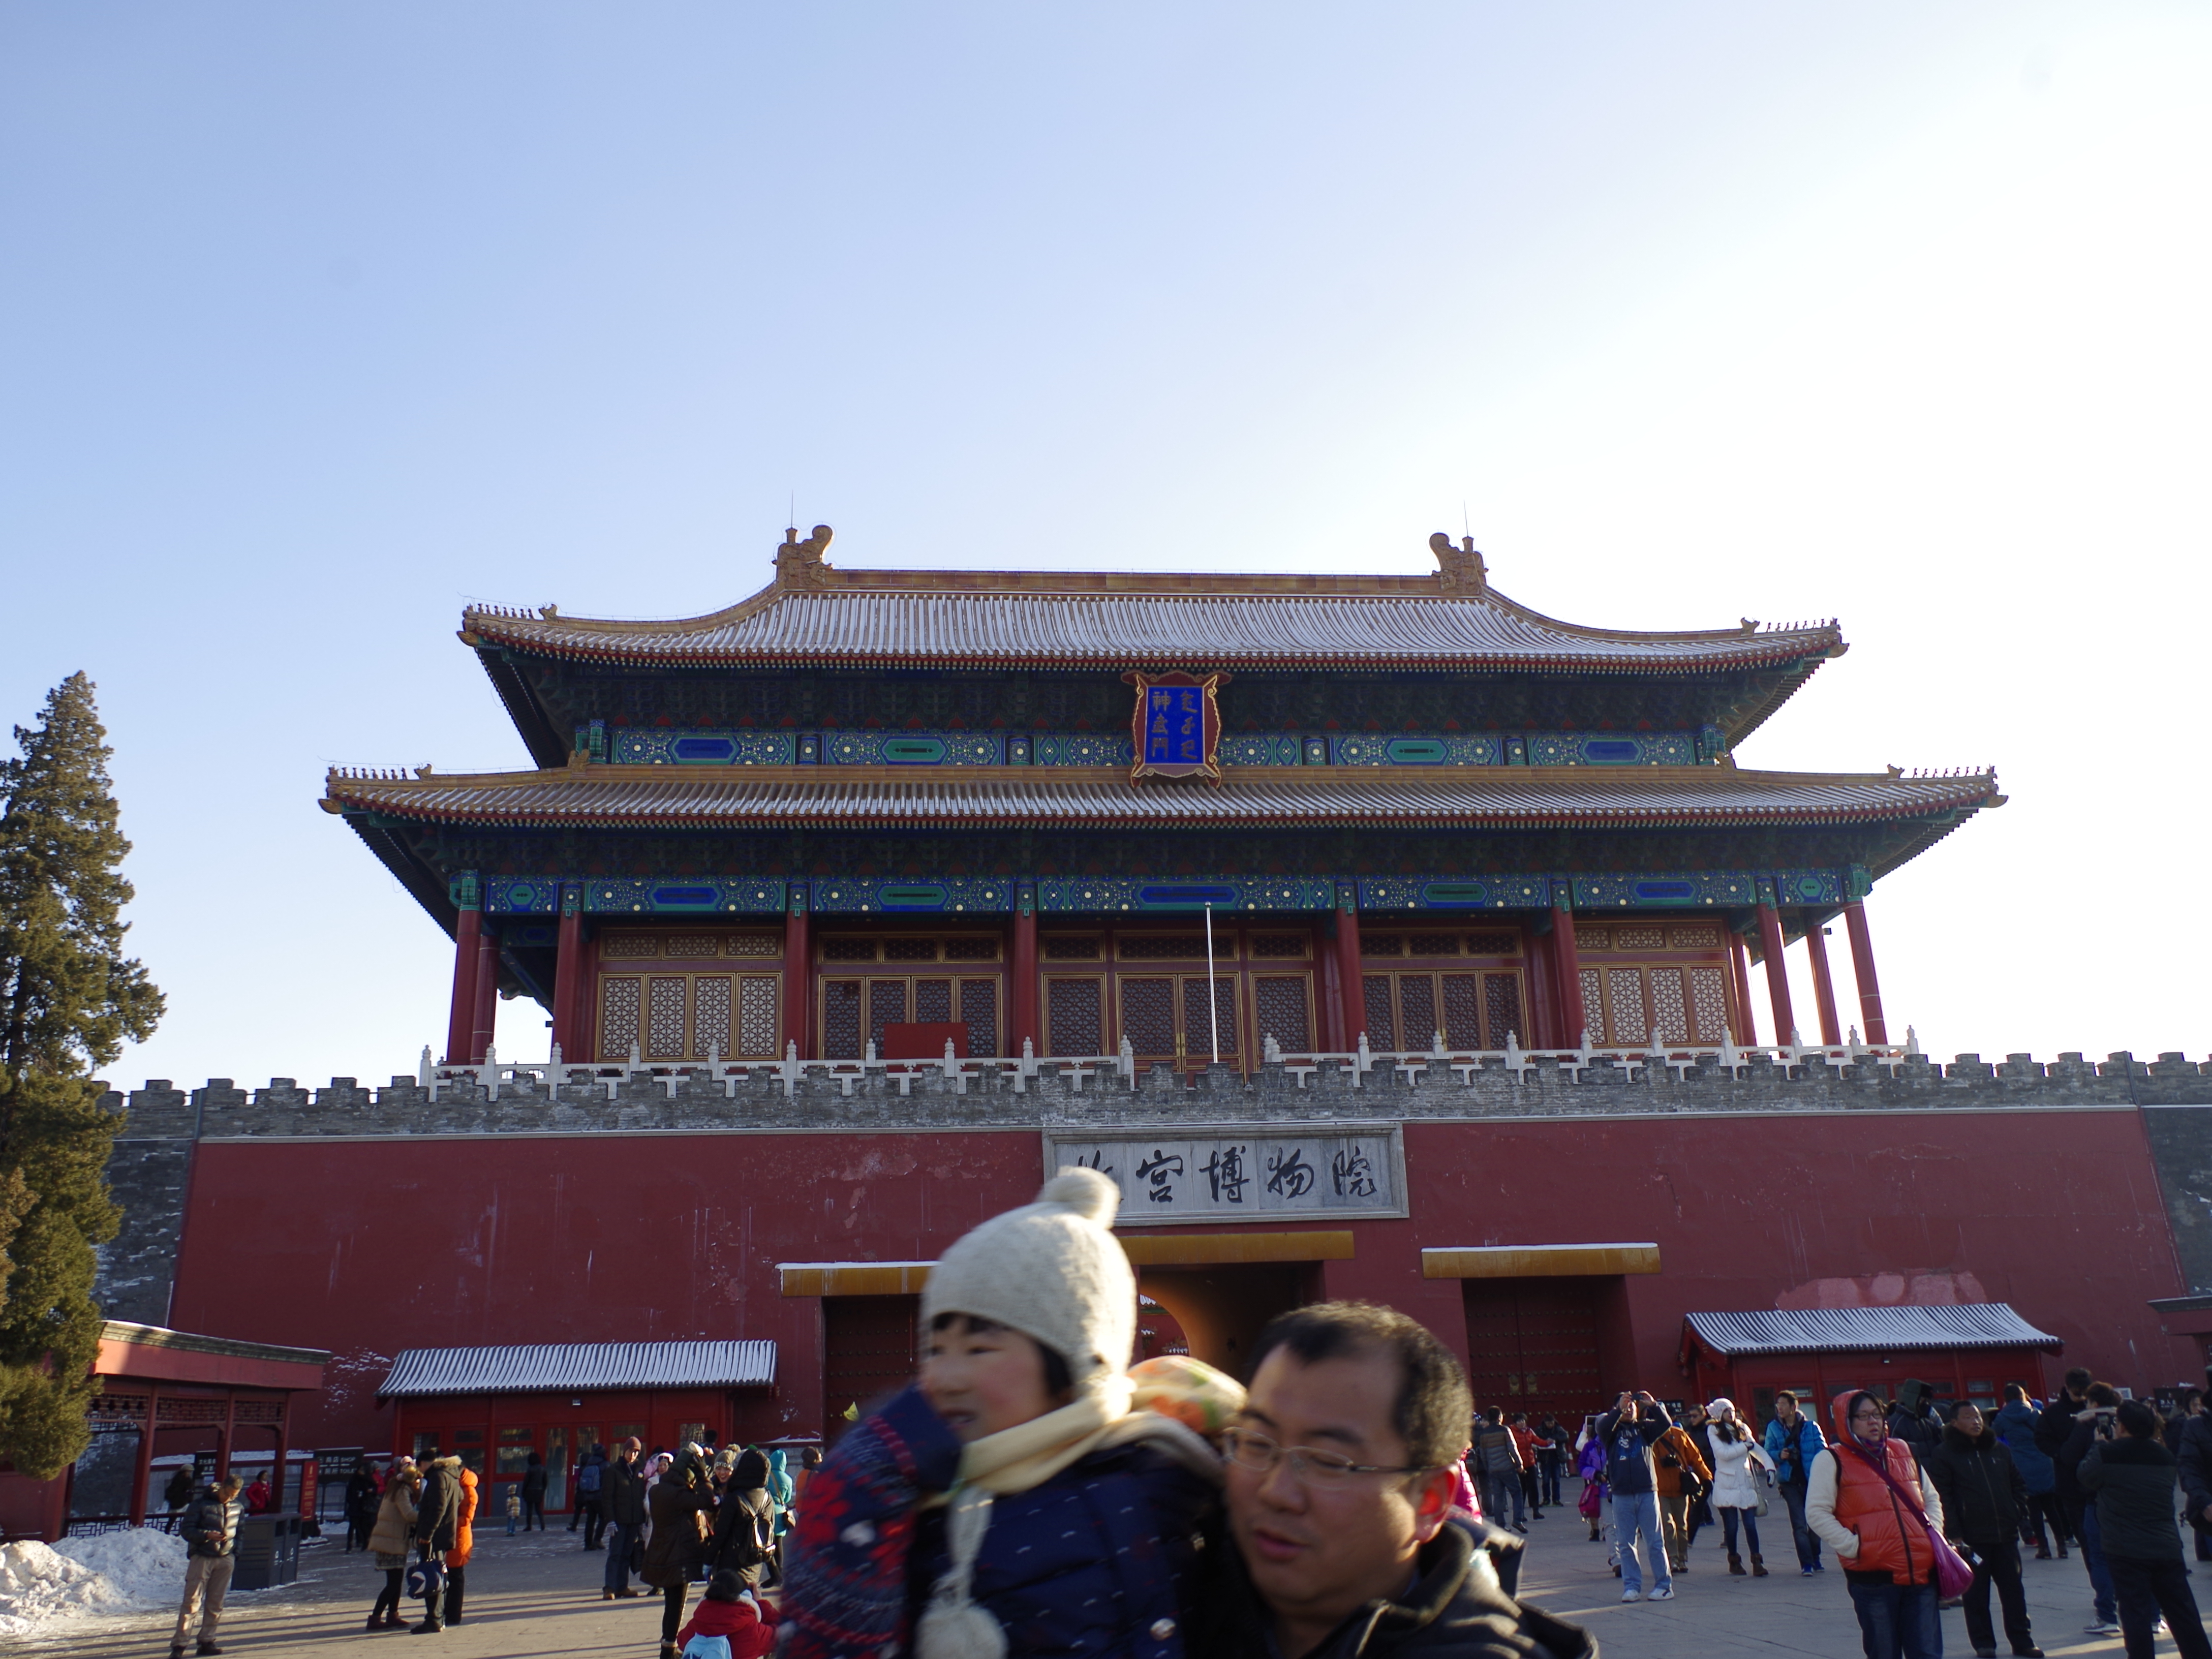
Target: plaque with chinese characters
<point x="1245" y="1173"/>
<point x="1176" y="727"/>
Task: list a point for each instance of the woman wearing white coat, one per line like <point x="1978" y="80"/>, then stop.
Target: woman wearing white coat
<point x="1737" y="1451"/>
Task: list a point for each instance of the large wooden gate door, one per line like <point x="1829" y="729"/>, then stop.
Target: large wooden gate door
<point x="868" y="1349"/>
<point x="1532" y="1345"/>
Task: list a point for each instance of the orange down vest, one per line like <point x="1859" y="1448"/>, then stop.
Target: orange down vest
<point x="1892" y="1533"/>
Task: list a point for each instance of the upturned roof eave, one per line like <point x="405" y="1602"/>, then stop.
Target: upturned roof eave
<point x="418" y="799"/>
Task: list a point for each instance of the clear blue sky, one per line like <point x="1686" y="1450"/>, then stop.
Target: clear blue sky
<point x="318" y="321"/>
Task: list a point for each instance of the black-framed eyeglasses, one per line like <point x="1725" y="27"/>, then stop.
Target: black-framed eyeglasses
<point x="1249" y="1449"/>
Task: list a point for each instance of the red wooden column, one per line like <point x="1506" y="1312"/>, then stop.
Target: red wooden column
<point x="1824" y="987"/>
<point x="461" y="1021"/>
<point x="142" y="1470"/>
<point x="1855" y="921"/>
<point x="568" y="975"/>
<point x="1573" y="1017"/>
<point x="1747" y="1032"/>
<point x="797" y="973"/>
<point x="1022" y="996"/>
<point x="1543" y="1030"/>
<point x="222" y="1447"/>
<point x="1350" y="985"/>
<point x="283" y="1456"/>
<point x="1328" y="993"/>
<point x="487" y="1010"/>
<point x="1778" y="971"/>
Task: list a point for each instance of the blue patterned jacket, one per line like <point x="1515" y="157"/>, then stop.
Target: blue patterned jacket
<point x="1098" y="1561"/>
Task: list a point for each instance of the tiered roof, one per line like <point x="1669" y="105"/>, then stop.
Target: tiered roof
<point x="1030" y="619"/>
<point x="1516" y="798"/>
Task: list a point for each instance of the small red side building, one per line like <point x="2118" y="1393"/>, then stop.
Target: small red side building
<point x="155" y="1383"/>
<point x="495" y="1407"/>
<point x="1966" y="1352"/>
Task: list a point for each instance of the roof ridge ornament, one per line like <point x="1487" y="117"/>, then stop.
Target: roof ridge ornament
<point x="800" y="565"/>
<point x="1461" y="570"/>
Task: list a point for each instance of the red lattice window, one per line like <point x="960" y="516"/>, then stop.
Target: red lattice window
<point x="1281" y="1004"/>
<point x="621" y="1001"/>
<point x="840" y="1019"/>
<point x="1381" y="1020"/>
<point x="979" y="1011"/>
<point x="1074" y="1017"/>
<point x="1148" y="1016"/>
<point x="1198" y="1031"/>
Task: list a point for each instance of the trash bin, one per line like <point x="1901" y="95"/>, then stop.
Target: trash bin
<point x="268" y="1552"/>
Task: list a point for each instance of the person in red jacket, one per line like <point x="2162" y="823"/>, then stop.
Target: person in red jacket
<point x="1878" y="1527"/>
<point x="729" y="1611"/>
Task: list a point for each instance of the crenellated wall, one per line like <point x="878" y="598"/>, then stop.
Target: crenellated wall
<point x="366" y="1221"/>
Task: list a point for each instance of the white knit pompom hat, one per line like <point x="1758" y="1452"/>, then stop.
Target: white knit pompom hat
<point x="1051" y="1271"/>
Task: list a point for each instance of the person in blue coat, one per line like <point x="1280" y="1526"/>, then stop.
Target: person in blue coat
<point x="1010" y="1502"/>
<point x="2015" y="1425"/>
<point x="1793" y="1441"/>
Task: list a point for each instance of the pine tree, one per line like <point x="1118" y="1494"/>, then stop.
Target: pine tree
<point x="68" y="1000"/>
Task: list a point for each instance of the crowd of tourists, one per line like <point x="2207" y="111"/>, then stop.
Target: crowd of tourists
<point x="1031" y="1493"/>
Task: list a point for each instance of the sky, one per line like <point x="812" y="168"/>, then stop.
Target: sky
<point x="320" y="322"/>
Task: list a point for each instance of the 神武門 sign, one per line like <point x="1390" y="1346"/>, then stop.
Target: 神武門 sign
<point x="1176" y="728"/>
<point x="1251" y="1172"/>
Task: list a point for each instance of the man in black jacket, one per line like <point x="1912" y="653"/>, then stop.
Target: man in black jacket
<point x="1984" y="1499"/>
<point x="2062" y="1434"/>
<point x="209" y="1527"/>
<point x="2193" y="1450"/>
<point x="1338" y="1498"/>
<point x="2130" y="1477"/>
<point x="622" y="1490"/>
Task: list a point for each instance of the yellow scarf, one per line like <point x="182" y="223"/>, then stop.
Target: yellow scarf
<point x="1030" y="1453"/>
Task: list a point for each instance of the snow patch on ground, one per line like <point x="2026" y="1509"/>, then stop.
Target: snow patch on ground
<point x="113" y="1572"/>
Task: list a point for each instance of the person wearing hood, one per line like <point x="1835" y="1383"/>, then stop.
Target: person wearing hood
<point x="676" y="1547"/>
<point x="1912" y="1421"/>
<point x="1872" y="1504"/>
<point x="1010" y="1501"/>
<point x="2014" y="1427"/>
<point x="1343" y="1545"/>
<point x="744" y="1520"/>
<point x="437" y="1528"/>
<point x="1984" y="1496"/>
<point x="2129" y="1475"/>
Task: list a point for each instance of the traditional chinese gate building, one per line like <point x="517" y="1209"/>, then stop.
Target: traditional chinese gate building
<point x="1002" y="805"/>
<point x="1012" y="811"/>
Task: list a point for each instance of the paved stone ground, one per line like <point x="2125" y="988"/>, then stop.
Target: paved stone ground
<point x="538" y="1596"/>
<point x="1714" y="1616"/>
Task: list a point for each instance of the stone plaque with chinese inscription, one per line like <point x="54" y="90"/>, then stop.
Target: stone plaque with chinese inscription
<point x="1245" y="1172"/>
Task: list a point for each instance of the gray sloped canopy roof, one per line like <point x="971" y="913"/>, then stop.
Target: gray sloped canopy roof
<point x="621" y="797"/>
<point x="543" y="1367"/>
<point x="942" y="617"/>
<point x="1838" y="1330"/>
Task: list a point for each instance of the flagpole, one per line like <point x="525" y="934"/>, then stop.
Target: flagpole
<point x="1212" y="990"/>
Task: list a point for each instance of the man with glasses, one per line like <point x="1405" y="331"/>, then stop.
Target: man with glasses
<point x="1339" y="1493"/>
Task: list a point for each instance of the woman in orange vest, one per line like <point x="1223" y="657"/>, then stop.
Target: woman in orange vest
<point x="1878" y="1530"/>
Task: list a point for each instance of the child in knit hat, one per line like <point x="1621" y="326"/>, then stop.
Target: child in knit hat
<point x="1014" y="1500"/>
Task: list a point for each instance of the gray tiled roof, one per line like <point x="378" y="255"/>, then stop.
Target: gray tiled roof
<point x="551" y="1366"/>
<point x="1831" y="1330"/>
<point x="1502" y="797"/>
<point x="1251" y="628"/>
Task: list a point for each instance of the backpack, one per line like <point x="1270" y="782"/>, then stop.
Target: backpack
<point x="706" y="1647"/>
<point x="744" y="1549"/>
<point x="587" y="1478"/>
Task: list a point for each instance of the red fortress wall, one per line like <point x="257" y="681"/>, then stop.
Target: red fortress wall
<point x="367" y="1246"/>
